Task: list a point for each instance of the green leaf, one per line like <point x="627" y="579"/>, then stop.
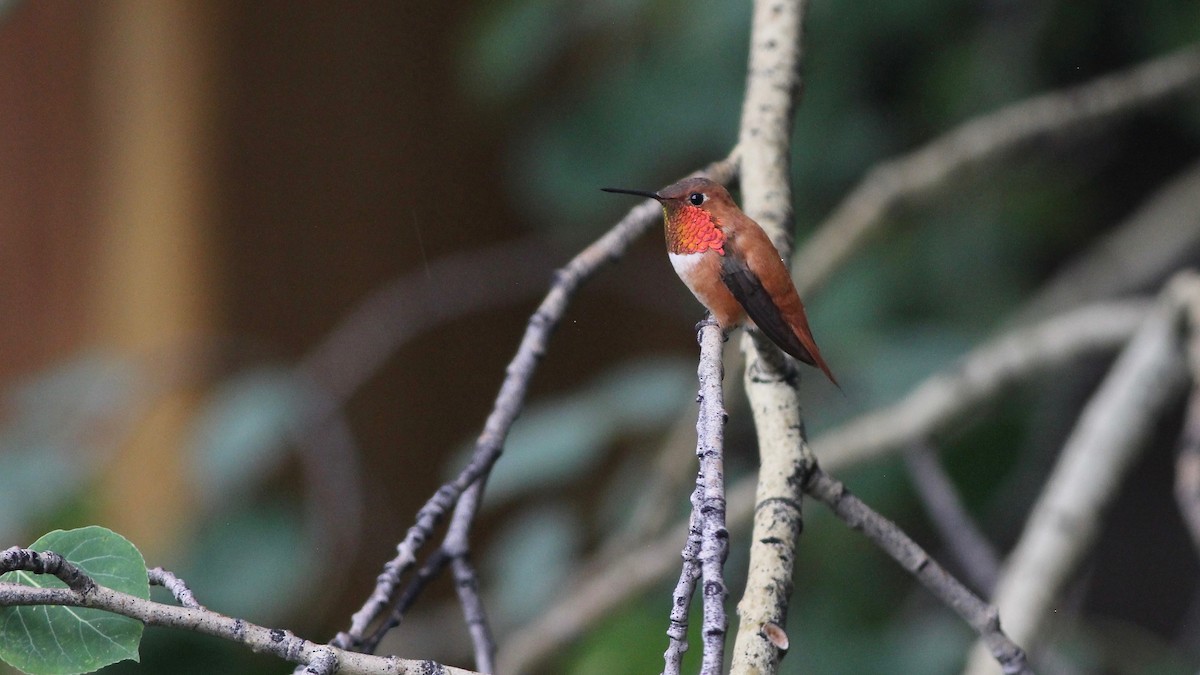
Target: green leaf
<point x="47" y="640"/>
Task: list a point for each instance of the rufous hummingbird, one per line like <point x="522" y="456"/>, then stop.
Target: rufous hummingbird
<point x="731" y="266"/>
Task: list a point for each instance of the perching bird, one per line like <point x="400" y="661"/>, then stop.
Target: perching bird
<point x="731" y="266"/>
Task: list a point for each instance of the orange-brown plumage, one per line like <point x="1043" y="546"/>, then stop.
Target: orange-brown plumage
<point x="731" y="266"/>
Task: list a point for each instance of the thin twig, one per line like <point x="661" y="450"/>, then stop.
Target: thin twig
<point x="457" y="545"/>
<point x="1106" y="440"/>
<point x="681" y="598"/>
<point x="963" y="538"/>
<point x="454" y="552"/>
<point x="280" y="643"/>
<point x="707" y="542"/>
<point x="46" y="562"/>
<point x="508" y="403"/>
<point x="983" y="619"/>
<point x="709" y="497"/>
<point x="982" y="139"/>
<point x="178" y="587"/>
<point x="82" y="591"/>
<point x="934" y="405"/>
<point x="466" y="585"/>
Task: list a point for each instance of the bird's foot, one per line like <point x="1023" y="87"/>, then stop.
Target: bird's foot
<point x="707" y="321"/>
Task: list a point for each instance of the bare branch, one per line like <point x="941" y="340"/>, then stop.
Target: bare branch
<point x="457" y="545"/>
<point x="963" y="538"/>
<point x="508" y="404"/>
<point x="709" y="497"/>
<point x="183" y="595"/>
<point x="773" y="86"/>
<point x="1187" y="466"/>
<point x="932" y="406"/>
<point x="455" y="552"/>
<point x="984" y="619"/>
<point x="681" y="598"/>
<point x="1013" y="357"/>
<point x="280" y="643"/>
<point x="980" y="140"/>
<point x="46" y="562"/>
<point x="1106" y="440"/>
<point x="707" y="541"/>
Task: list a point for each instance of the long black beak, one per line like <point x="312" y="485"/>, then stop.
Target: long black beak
<point x="640" y="193"/>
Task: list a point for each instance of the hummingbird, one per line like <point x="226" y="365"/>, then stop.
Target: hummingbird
<point x="730" y="265"/>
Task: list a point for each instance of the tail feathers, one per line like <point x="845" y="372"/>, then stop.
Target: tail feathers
<point x="808" y="353"/>
<point x="787" y="327"/>
<point x="798" y="341"/>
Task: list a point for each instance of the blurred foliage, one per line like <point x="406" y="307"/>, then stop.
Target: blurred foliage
<point x="60" y="426"/>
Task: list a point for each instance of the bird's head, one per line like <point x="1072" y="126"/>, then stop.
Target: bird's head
<point x="694" y="214"/>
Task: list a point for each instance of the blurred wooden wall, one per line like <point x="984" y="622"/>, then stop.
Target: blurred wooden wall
<point x="183" y="180"/>
<point x="47" y="228"/>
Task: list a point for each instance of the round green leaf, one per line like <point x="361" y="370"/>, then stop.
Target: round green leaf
<point x="48" y="640"/>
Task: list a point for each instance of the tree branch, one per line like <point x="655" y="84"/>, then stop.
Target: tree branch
<point x="707" y="542"/>
<point x="983" y="139"/>
<point x="964" y="541"/>
<point x="178" y="588"/>
<point x="935" y="404"/>
<point x="709" y="497"/>
<point x="681" y="598"/>
<point x="884" y="533"/>
<point x="1107" y="439"/>
<point x="1015" y="356"/>
<point x="1187" y="466"/>
<point x="82" y="591"/>
<point x="773" y="85"/>
<point x="508" y="404"/>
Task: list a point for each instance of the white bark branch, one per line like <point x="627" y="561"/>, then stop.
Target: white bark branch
<point x="944" y="397"/>
<point x="773" y="87"/>
<point x="1106" y="441"/>
<point x="983" y="139"/>
<point x="934" y="405"/>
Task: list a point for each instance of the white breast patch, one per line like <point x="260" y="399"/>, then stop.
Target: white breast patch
<point x="685" y="264"/>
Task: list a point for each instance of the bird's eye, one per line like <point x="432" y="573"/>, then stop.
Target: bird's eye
<point x="696" y="198"/>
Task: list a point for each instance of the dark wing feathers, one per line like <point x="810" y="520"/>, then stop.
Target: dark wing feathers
<point x="749" y="291"/>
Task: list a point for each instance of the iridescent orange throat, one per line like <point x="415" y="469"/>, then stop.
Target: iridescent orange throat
<point x="692" y="230"/>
